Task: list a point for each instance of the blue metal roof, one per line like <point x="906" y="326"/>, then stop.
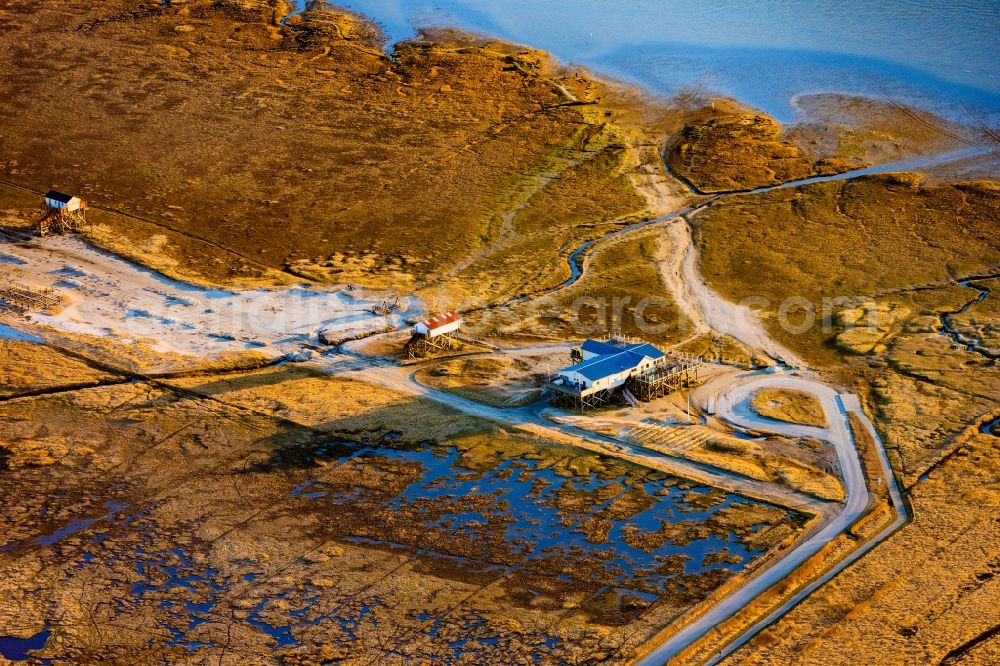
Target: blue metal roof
<point x="647" y="349"/>
<point x="612" y="359"/>
<point x="605" y="366"/>
<point x="598" y="347"/>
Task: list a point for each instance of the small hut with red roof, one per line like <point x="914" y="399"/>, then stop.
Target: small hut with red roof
<point x="434" y="334"/>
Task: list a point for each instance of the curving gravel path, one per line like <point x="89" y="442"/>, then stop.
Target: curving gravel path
<point x="733" y="406"/>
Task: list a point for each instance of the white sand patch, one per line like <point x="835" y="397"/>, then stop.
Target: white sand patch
<point x="107" y="296"/>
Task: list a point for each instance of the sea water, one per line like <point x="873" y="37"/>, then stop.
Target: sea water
<point x="936" y="55"/>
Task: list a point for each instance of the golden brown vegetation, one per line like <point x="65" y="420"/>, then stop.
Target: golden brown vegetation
<point x="254" y="147"/>
<point x="882" y="251"/>
<point x="27" y="367"/>
<point x="581" y="193"/>
<point x="621" y="290"/>
<point x="345" y="408"/>
<point x="741" y="151"/>
<point x="789" y="405"/>
<point x="870" y="462"/>
<point x="927" y="393"/>
<point x="497" y="380"/>
<point x="839" y="239"/>
<point x="776" y="461"/>
<point x="927" y="593"/>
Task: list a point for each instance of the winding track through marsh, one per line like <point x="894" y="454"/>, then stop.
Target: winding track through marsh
<point x="710" y="311"/>
<point x="713" y="312"/>
<point x="695" y="299"/>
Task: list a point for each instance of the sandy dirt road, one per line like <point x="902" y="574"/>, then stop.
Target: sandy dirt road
<point x="534" y="419"/>
<point x="735" y="320"/>
<point x="110" y="297"/>
<point x="733" y="406"/>
<point x="852" y="404"/>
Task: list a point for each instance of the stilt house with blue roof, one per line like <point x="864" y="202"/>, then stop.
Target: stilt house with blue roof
<point x="606" y="369"/>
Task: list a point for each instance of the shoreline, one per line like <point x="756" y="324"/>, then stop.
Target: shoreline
<point x="605" y="154"/>
<point x="623" y="59"/>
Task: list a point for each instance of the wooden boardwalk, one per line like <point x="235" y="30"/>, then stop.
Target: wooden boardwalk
<point x="668" y="439"/>
<point x="22" y="299"/>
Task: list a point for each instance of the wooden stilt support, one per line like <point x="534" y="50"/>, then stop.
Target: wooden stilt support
<point x="665" y="379"/>
<point x="420" y="346"/>
<point x="670" y="373"/>
<point x="62" y="221"/>
<point x="581" y="402"/>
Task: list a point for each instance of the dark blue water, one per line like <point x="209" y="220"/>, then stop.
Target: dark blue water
<point x="932" y="54"/>
<point x="948" y="329"/>
<point x="520" y="515"/>
<point x="524" y="506"/>
<point x="16" y="649"/>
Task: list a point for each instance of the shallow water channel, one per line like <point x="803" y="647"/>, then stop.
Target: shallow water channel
<point x="641" y="535"/>
<point x="948" y="329"/>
